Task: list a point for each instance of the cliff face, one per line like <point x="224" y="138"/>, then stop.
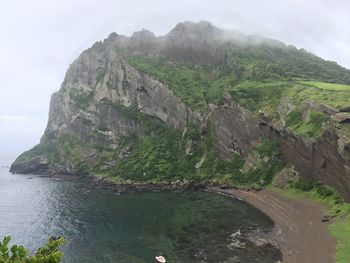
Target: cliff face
<point x="99" y="78"/>
<point x="110" y="111"/>
<point x="236" y="130"/>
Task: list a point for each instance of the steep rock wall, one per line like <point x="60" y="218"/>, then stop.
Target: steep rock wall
<point x="236" y="130"/>
<point x="104" y="79"/>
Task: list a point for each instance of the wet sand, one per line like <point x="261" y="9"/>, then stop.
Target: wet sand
<point x="299" y="231"/>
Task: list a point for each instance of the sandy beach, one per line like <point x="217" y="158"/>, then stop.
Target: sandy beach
<point x="300" y="233"/>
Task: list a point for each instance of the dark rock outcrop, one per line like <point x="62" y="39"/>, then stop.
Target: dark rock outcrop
<point x="36" y="165"/>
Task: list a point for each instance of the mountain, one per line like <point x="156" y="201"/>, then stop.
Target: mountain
<point x="202" y="104"/>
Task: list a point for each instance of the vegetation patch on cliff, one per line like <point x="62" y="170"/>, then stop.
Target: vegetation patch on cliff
<point x="194" y="85"/>
<point x="327" y="86"/>
<point x="66" y="151"/>
<point x="276" y="61"/>
<point x="266" y="96"/>
<point x="81" y="97"/>
<point x="266" y="99"/>
<point x="164" y="154"/>
<point x="310" y="128"/>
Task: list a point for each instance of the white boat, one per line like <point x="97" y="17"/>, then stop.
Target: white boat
<point x="160" y="259"/>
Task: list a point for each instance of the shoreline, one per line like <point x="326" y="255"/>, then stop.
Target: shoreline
<point x="299" y="231"/>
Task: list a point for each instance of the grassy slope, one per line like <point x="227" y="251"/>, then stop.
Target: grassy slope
<point x="341" y="231"/>
<point x="327" y="86"/>
<point x="264" y="61"/>
<point x="335" y="95"/>
<point x="266" y="96"/>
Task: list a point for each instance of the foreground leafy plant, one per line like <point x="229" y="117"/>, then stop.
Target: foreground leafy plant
<point x="49" y="253"/>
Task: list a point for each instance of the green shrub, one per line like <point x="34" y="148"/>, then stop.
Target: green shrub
<point x="324" y="190"/>
<point x="262" y="175"/>
<point x="304" y="185"/>
<point x="321" y="189"/>
<point x="267" y="148"/>
<point x="49" y="253"/>
<point x="81" y="97"/>
<point x="294" y="119"/>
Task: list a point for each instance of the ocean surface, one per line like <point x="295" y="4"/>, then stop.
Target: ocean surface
<point x="102" y="226"/>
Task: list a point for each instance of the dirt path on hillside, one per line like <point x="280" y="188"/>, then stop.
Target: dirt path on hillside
<point x="300" y="234"/>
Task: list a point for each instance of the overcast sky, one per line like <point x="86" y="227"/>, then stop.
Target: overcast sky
<point x="40" y="38"/>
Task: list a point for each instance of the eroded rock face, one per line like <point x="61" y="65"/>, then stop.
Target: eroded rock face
<point x="316" y="160"/>
<point x="98" y="81"/>
<point x="237" y="130"/>
<point x="155" y="99"/>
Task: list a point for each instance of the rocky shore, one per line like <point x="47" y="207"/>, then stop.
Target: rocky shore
<point x="131" y="186"/>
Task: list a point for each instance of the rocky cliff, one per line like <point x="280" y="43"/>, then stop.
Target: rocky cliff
<point x="193" y="105"/>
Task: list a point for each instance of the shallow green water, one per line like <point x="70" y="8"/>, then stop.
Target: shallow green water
<point x="102" y="226"/>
